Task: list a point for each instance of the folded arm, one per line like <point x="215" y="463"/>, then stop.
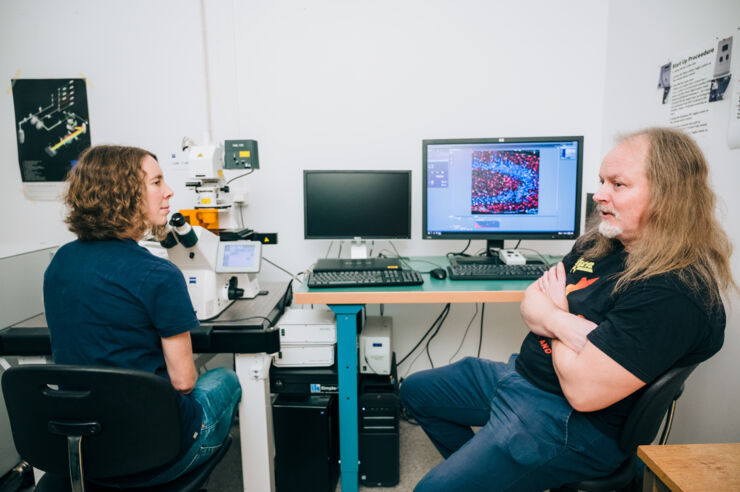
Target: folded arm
<point x="178" y="357"/>
<point x="545" y="311"/>
<point x="590" y="379"/>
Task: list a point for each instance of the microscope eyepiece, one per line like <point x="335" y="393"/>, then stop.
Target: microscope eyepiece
<point x="169" y="241"/>
<point x="177" y="220"/>
<point x="185" y="234"/>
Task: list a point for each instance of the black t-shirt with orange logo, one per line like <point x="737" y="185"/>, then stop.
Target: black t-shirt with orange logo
<point x="647" y="328"/>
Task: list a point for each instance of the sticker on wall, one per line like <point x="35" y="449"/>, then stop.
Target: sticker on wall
<point x="722" y="75"/>
<point x="733" y="129"/>
<point x="664" y="83"/>
<point x="52" y="129"/>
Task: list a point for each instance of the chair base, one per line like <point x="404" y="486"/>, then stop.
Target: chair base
<point x="192" y="481"/>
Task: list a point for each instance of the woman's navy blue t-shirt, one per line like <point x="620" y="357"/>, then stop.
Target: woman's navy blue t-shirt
<point x="109" y="303"/>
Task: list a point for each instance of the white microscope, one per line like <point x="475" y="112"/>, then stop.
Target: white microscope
<point x="216" y="272"/>
<point x="210" y="165"/>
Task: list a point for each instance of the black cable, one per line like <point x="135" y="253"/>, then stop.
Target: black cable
<point x="464" y="249"/>
<point x="439" y="326"/>
<point x="422" y="338"/>
<point x="278" y="267"/>
<point x="240" y="176"/>
<point x="544" y="260"/>
<point x="331" y="243"/>
<point x="260" y="293"/>
<point x="517" y="244"/>
<point x="220" y="312"/>
<point x="461" y="253"/>
<point x="408" y="418"/>
<point x="462" y="340"/>
<point x="482" y="315"/>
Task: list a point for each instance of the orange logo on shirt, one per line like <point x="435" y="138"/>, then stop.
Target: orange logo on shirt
<point x="545" y="346"/>
<point x="582" y="284"/>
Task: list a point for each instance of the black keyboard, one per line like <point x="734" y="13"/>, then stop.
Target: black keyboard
<point x="364" y="278"/>
<point x="487" y="271"/>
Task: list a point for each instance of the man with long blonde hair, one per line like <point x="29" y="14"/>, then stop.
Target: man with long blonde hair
<point x="639" y="293"/>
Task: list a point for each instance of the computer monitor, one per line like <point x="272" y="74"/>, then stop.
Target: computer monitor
<point x="502" y="188"/>
<point x="357" y="205"/>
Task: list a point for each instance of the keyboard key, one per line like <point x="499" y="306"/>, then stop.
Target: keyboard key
<point x="486" y="271"/>
<point x="364" y="278"/>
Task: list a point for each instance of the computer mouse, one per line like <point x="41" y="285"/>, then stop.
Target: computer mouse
<point x="438" y="273"/>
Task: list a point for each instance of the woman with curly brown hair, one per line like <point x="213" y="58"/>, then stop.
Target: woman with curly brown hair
<point x="109" y="301"/>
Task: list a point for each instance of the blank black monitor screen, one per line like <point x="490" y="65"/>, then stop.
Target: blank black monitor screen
<point x="348" y="204"/>
<point x="502" y="188"/>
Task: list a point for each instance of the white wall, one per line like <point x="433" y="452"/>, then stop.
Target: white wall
<point x="332" y="84"/>
<point x="642" y="37"/>
<point x="360" y="84"/>
<point x="326" y="84"/>
<point x="143" y="63"/>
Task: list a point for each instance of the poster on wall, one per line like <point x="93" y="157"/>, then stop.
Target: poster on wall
<point x="694" y="81"/>
<point x="52" y="129"/>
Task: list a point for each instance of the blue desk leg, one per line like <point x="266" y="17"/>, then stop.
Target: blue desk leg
<point x="347" y="319"/>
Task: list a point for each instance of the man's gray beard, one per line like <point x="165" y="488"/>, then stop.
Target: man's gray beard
<point x="608" y="230"/>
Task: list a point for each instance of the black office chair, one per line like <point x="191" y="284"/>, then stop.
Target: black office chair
<point x="658" y="401"/>
<point x="99" y="423"/>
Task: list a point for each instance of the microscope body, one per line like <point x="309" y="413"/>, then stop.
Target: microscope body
<point x="210" y="290"/>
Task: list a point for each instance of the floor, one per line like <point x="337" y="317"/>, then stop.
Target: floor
<point x="418" y="456"/>
<point x="417" y="453"/>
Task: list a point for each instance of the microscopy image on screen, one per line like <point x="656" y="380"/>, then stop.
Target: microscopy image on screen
<point x="505" y="182"/>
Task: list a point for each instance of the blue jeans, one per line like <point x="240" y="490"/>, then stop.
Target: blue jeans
<point x="529" y="439"/>
<point x="218" y="391"/>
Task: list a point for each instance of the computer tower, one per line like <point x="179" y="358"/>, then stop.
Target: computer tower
<point x="306" y="443"/>
<point x="304" y="380"/>
<point x="379" y="445"/>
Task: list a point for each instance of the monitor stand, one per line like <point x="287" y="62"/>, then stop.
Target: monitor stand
<point x="358" y="249"/>
<point x="489" y="258"/>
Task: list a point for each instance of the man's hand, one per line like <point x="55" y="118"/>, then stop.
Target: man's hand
<point x="552" y="284"/>
<point x="544" y="299"/>
<point x="537" y="309"/>
<point x="545" y="311"/>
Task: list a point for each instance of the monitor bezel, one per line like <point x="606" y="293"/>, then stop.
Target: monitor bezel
<point x="306" y="172"/>
<point x="508" y="234"/>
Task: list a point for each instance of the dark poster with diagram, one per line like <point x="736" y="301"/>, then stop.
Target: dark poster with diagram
<point x="52" y="126"/>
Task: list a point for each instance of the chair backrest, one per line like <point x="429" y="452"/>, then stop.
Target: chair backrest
<point x="135" y="412"/>
<point x="644" y="420"/>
